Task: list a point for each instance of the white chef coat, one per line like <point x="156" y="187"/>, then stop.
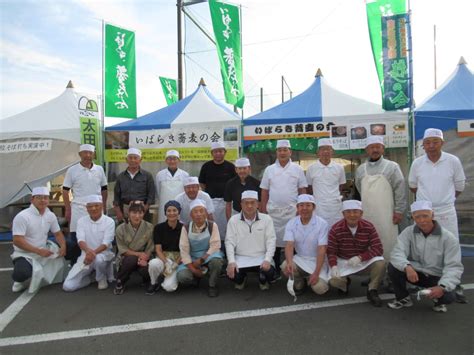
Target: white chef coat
<point x="437" y="182"/>
<point x="96" y="233"/>
<point x="34" y="227"/>
<point x="325" y="180"/>
<point x="307" y="237"/>
<point x="185" y="202"/>
<point x="168" y="186"/>
<point x="283" y="183"/>
<point x="83" y="182"/>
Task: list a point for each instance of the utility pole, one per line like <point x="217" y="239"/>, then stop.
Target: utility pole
<point x="179" y="7"/>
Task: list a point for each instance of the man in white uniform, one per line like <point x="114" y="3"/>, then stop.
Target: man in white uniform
<point x="34" y="256"/>
<point x="281" y="184"/>
<point x="383" y="193"/>
<point x="95" y="234"/>
<point x="308" y="235"/>
<point x="250" y="244"/>
<point x="439" y="177"/>
<point x="83" y="179"/>
<point x="191" y="193"/>
<point x="325" y="180"/>
<point x="169" y="182"/>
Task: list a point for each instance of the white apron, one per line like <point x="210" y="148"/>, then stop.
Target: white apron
<point x="330" y="210"/>
<point x="280" y="217"/>
<point x="378" y="206"/>
<point x="308" y="264"/>
<point x="219" y="216"/>
<point x="78" y="210"/>
<point x="345" y="269"/>
<point x="46" y="271"/>
<point x="243" y="261"/>
<point x="447" y="218"/>
<point x="169" y="189"/>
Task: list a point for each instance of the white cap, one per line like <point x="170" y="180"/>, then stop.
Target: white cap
<point x="351" y="205"/>
<point x="325" y="142"/>
<point x="172" y="153"/>
<point x="217" y="145"/>
<point x="250" y="194"/>
<point x="374" y="140"/>
<point x="40" y="191"/>
<point x="197" y="203"/>
<point x="433" y="133"/>
<point x="242" y="163"/>
<point x="306" y="198"/>
<point x="134" y="151"/>
<point x="86" y="147"/>
<point x="93" y="199"/>
<point x="421" y="205"/>
<point x="192" y="180"/>
<point x="283" y="143"/>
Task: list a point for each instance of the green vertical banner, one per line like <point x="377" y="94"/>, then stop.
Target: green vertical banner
<point x="119" y="73"/>
<point x="226" y="25"/>
<point x="376" y="9"/>
<point x="396" y="94"/>
<point x="170" y="90"/>
<point x="89" y="118"/>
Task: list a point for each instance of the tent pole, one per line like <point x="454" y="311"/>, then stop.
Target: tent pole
<point x="179" y="6"/>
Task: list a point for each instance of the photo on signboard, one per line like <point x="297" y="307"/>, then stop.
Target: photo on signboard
<point x="358" y="132"/>
<point x="378" y="129"/>
<point x="399" y="127"/>
<point x="338" y="131"/>
<point x="230" y="134"/>
<point x="116" y="140"/>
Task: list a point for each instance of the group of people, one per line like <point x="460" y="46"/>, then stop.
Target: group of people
<point x="227" y="221"/>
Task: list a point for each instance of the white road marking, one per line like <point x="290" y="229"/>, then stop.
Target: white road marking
<point x="11" y="312"/>
<point x="134" y="327"/>
<point x="6" y="269"/>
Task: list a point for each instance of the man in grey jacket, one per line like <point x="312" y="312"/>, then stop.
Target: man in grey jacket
<point x="426" y="255"/>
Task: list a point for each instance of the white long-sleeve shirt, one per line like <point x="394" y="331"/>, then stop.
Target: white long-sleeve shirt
<point x="96" y="233"/>
<point x="251" y="240"/>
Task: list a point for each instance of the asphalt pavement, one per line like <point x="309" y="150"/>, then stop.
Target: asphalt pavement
<point x="237" y="322"/>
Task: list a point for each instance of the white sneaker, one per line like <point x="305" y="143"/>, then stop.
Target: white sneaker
<point x="102" y="284"/>
<point x="441" y="308"/>
<point x="19" y="286"/>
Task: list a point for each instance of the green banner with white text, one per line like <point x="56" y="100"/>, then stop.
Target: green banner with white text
<point x="396" y="83"/>
<point x="119" y="73"/>
<point x="375" y="10"/>
<point x="226" y="25"/>
<point x="170" y="90"/>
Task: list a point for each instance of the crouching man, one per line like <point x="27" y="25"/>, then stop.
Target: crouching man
<point x="34" y="256"/>
<point x="95" y="234"/>
<point x="199" y="246"/>
<point x="250" y="244"/>
<point x="354" y="247"/>
<point x="425" y="255"/>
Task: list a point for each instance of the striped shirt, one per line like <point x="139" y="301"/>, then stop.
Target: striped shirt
<point x="365" y="243"/>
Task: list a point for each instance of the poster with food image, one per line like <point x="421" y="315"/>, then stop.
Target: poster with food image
<point x="340" y="137"/>
<point x="398" y="135"/>
<point x="359" y="133"/>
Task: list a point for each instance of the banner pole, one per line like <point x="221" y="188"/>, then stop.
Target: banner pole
<point x="102" y="104"/>
<point x="412" y="146"/>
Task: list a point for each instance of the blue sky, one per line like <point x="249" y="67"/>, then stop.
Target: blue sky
<point x="46" y="43"/>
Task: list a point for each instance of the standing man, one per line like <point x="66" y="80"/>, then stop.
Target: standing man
<point x="191" y="193"/>
<point x="34" y="256"/>
<point x="250" y="244"/>
<point x="307" y="234"/>
<point x="169" y="182"/>
<point x="426" y="255"/>
<point x="439" y="177"/>
<point x="355" y="248"/>
<point x="235" y="186"/>
<point x="133" y="184"/>
<point x="325" y="180"/>
<point x="382" y="188"/>
<point x="95" y="234"/>
<point x="282" y="182"/>
<point x="84" y="178"/>
<point x="213" y="177"/>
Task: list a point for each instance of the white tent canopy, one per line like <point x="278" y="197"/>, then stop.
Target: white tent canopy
<point x="56" y="121"/>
